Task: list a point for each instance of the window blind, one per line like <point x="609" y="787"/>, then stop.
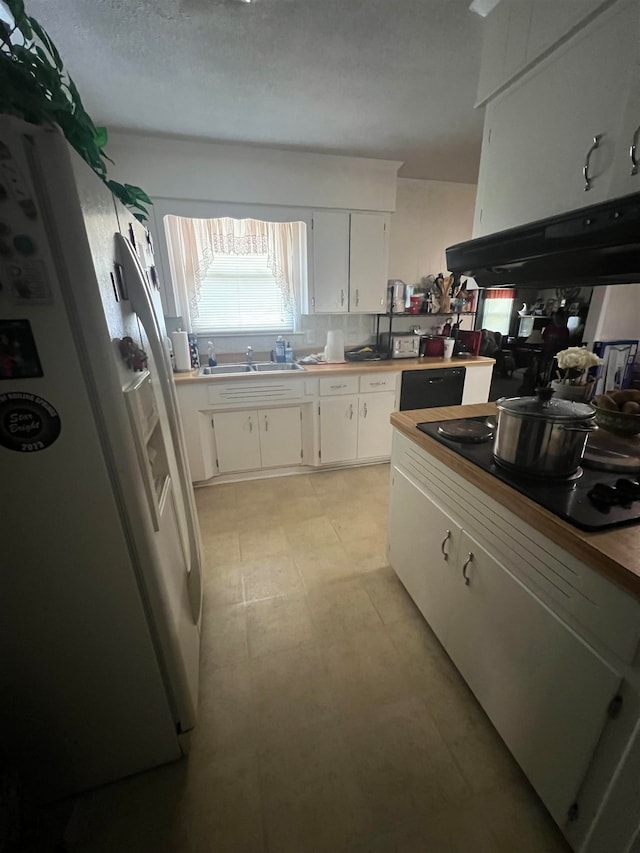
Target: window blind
<point x="239" y="292"/>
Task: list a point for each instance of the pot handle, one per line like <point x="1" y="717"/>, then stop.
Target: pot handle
<point x="580" y="428"/>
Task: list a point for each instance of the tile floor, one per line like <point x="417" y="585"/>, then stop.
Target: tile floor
<point x="330" y="717"/>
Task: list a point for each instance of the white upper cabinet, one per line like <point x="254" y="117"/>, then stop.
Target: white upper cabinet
<point x="539" y="132"/>
<point x="330" y="263"/>
<point x="519" y="32"/>
<point x="350" y="263"/>
<point x="368" y="263"/>
<point x="626" y="171"/>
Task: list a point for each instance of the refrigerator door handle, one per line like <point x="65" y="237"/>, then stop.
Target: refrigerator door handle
<point x="143" y="306"/>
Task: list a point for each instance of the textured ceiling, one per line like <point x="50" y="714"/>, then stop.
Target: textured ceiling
<point x="376" y="78"/>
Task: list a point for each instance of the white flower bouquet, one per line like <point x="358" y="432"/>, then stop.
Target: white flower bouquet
<point x="574" y="363"/>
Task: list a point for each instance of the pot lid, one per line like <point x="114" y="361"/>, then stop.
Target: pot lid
<point x="546" y="407"/>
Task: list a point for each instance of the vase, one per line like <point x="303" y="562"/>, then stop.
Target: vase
<point x="577" y="393"/>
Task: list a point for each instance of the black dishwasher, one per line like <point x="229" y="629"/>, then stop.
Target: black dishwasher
<point x="424" y="389"/>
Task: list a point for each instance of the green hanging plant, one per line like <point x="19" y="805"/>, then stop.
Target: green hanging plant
<point x="35" y="86"/>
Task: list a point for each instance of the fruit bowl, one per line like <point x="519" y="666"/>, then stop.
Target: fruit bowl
<point x="621" y="423"/>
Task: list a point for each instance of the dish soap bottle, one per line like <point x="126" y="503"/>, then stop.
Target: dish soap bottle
<point x="280" y="348"/>
<point x="211" y="352"/>
<point x="288" y="353"/>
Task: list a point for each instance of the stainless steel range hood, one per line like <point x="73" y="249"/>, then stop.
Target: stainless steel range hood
<point x="595" y="245"/>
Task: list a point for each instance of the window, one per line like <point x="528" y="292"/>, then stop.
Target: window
<point x="237" y="275"/>
<point x="241" y="292"/>
<point x="496" y="311"/>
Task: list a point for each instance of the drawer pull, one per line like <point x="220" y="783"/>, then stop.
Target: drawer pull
<point x="444" y="542"/>
<point x="350" y="411"/>
<point x="585" y="169"/>
<point x="467" y="563"/>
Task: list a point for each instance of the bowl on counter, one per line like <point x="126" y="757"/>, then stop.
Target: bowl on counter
<point x="620" y="423"/>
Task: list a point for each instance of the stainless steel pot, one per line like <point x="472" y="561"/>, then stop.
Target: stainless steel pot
<point x="541" y="436"/>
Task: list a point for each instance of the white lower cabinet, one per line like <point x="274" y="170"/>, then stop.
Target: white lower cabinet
<point x="543" y="686"/>
<point x="237" y="441"/>
<point x="374" y="425"/>
<point x="544" y="689"/>
<point x="423" y="546"/>
<point x="280" y="437"/>
<point x="339" y="429"/>
<point x="354" y="427"/>
<point x="266" y="438"/>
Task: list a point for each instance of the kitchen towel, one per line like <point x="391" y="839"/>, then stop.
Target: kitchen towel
<point x="181" y="352"/>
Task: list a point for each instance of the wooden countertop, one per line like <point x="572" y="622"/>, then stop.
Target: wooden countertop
<point x="349" y="367"/>
<point x="614" y="553"/>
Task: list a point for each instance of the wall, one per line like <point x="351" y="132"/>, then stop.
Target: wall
<point x="312" y="336"/>
<point x="430" y="215"/>
<point x="614" y="314"/>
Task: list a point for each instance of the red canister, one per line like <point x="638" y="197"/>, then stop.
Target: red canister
<point x="415" y="301"/>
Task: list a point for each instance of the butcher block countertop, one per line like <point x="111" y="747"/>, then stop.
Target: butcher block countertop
<point x="349" y="367"/>
<point x="614" y="553"/>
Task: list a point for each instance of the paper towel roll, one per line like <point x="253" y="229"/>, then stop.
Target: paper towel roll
<point x="334" y="350"/>
<point x="181" y="354"/>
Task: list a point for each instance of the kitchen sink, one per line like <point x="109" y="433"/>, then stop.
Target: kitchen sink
<point x="222" y="369"/>
<point x="270" y="366"/>
<point x="258" y="367"/>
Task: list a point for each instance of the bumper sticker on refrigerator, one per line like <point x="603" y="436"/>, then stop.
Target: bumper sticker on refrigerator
<point x="28" y="423"/>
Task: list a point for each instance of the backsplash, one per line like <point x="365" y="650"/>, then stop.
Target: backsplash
<point x="358" y="329"/>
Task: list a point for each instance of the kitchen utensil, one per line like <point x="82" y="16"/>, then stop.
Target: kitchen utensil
<point x="540" y="436"/>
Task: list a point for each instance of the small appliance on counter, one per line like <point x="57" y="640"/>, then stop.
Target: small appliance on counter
<point x="397" y="296"/>
<point x="432" y="346"/>
<point x="400" y="344"/>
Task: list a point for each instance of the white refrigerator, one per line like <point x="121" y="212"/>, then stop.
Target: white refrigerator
<point x="100" y="554"/>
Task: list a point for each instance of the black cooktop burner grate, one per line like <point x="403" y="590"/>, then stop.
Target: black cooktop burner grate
<point x="594" y="501"/>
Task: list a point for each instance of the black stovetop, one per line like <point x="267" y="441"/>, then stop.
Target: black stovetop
<point x="568" y="499"/>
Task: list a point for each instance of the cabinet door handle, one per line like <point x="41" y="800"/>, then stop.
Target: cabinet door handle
<point x="266" y="423"/>
<point x="632" y="151"/>
<point x="444" y="542"/>
<point x="467" y="563"/>
<point x="585" y="169"/>
<point x="342" y="297"/>
<point x="350" y="411"/>
<point x="357" y="297"/>
<point x="250" y="425"/>
<point x="364" y="410"/>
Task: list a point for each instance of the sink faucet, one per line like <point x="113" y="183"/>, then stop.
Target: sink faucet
<point x="249" y="355"/>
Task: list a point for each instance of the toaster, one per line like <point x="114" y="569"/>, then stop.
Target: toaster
<point x="400" y="345"/>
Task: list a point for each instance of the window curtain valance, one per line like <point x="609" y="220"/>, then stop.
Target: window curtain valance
<point x="194" y="243"/>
